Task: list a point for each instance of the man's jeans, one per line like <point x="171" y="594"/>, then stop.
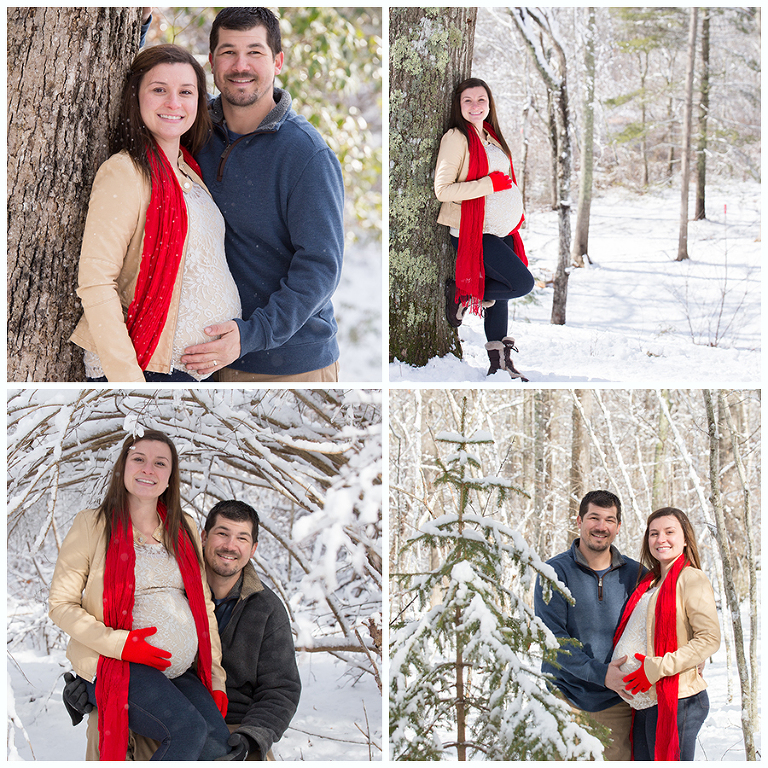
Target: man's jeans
<point x="691" y="714"/>
<point x="179" y="713"/>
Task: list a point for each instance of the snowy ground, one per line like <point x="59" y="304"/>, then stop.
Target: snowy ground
<point x="636" y="315"/>
<point x="358" y="306"/>
<point x="328" y="725"/>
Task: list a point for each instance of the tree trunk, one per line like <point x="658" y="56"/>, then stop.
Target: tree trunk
<point x="580" y="246"/>
<point x="701" y="149"/>
<point x="64" y="88"/>
<point x="752" y="581"/>
<point x="430" y="53"/>
<point x="682" y="244"/>
<point x="747" y="726"/>
<point x="578" y="454"/>
<point x="534" y="26"/>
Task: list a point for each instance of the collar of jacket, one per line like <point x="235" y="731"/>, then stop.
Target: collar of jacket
<point x="269" y="124"/>
<point x="251" y="582"/>
<point x="616" y="558"/>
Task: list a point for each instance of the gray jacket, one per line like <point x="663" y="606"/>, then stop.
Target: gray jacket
<point x="263" y="683"/>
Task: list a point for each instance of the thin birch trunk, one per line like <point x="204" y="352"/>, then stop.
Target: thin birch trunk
<point x="754" y="670"/>
<point x="682" y="245"/>
<point x="725" y="555"/>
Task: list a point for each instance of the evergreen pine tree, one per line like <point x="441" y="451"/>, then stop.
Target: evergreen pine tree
<point x="464" y="674"/>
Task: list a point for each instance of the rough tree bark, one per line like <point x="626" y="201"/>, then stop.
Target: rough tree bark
<point x="580" y="245"/>
<point x="701" y="149"/>
<point x="539" y="34"/>
<point x="65" y="75"/>
<point x="721" y="535"/>
<point x="682" y="244"/>
<point x="430" y="53"/>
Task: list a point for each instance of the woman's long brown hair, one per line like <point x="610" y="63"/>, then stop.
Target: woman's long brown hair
<point x="114" y="508"/>
<point x="131" y="134"/>
<point x="457" y="119"/>
<point x="690" y="550"/>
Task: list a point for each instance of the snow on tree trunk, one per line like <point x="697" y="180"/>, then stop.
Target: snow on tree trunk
<point x="65" y="79"/>
<point x="470" y="665"/>
<point x="682" y="245"/>
<point x="580" y="246"/>
<point x="430" y="53"/>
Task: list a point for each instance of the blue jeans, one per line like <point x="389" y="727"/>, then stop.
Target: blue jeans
<point x="174" y="375"/>
<point x="179" y="713"/>
<point x="506" y="277"/>
<point x="691" y="714"/>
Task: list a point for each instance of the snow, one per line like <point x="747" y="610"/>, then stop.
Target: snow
<point x="358" y="307"/>
<point x="332" y="708"/>
<point x="635" y="315"/>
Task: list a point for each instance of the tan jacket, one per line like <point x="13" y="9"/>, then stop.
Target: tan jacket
<point x="698" y="633"/>
<point x="451" y="185"/>
<point x="109" y="268"/>
<point x="75" y="600"/>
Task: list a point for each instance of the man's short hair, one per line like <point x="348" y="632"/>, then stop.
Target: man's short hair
<point x="235" y="510"/>
<point x="604" y="499"/>
<point x="247" y="18"/>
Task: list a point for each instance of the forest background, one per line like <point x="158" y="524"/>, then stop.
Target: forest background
<point x="692" y="449"/>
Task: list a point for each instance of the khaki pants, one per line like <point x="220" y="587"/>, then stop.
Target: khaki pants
<point x="618" y="720"/>
<point x="331" y="373"/>
<point x="140" y="748"/>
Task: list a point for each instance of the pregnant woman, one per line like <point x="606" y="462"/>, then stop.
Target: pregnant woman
<point x="483" y="209"/>
<point x="129" y="590"/>
<point x="153" y="274"/>
<point x="669" y="627"/>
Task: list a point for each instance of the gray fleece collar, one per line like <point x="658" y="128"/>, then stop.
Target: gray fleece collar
<point x="270" y="123"/>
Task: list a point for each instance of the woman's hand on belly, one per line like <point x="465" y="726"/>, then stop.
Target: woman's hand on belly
<point x="139" y="651"/>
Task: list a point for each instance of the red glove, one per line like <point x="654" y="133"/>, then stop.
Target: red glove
<point x="500" y="181"/>
<point x="138" y="650"/>
<point x="222" y="702"/>
<point x="637" y="681"/>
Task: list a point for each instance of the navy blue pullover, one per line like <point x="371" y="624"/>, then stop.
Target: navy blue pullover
<point x="592" y="621"/>
<point x="281" y="193"/>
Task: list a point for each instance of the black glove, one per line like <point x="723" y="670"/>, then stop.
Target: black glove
<point x="75" y="696"/>
<point x="241" y="747"/>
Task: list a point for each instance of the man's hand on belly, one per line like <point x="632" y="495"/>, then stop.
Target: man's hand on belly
<point x="214" y="355"/>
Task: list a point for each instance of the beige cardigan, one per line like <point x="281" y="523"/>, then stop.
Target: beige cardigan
<point x="451" y="171"/>
<point x="109" y="269"/>
<point x="698" y="633"/>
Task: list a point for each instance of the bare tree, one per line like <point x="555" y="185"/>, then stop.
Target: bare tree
<point x="682" y="246"/>
<point x="580" y="245"/>
<point x="64" y="86"/>
<point x="747" y="693"/>
<point x="430" y="53"/>
<point x="541" y="37"/>
<point x="701" y="149"/>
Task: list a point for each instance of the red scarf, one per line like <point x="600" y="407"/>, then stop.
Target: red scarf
<point x="664" y="641"/>
<point x="165" y="232"/>
<point x="113" y="675"/>
<point x="470" y="270"/>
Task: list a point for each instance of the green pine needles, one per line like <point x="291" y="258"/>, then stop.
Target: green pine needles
<point x="465" y="678"/>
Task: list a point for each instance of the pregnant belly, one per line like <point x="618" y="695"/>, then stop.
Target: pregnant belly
<point x="171" y="614"/>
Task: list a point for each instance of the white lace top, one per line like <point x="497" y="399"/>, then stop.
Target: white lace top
<point x="503" y="209"/>
<point x="635" y="640"/>
<point x="160" y="602"/>
<point x="208" y="291"/>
